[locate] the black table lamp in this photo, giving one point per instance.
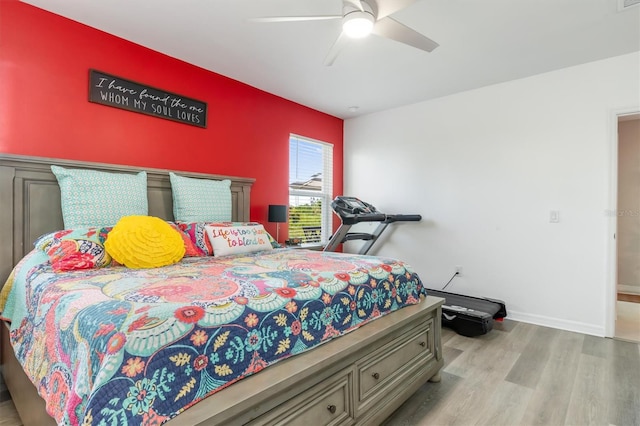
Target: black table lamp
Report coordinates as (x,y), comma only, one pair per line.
(278,214)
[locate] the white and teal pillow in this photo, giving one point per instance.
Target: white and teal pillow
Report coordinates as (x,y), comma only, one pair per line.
(94,198)
(200,200)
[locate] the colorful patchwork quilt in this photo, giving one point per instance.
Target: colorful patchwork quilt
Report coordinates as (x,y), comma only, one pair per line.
(123,346)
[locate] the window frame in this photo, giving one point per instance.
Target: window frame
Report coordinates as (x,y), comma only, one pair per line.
(326,192)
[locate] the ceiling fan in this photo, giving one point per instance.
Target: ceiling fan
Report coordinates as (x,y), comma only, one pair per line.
(363,17)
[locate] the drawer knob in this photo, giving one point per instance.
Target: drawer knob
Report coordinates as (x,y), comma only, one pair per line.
(423,344)
(375,376)
(331,408)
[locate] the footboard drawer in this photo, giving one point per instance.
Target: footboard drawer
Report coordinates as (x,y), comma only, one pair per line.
(394,365)
(327,403)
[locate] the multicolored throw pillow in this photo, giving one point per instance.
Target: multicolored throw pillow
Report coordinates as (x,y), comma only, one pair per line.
(190,248)
(72,249)
(197,235)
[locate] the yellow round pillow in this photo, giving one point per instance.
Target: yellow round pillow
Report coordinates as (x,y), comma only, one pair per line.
(144,242)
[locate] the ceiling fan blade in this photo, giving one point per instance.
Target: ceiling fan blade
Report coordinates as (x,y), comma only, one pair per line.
(355,4)
(394,30)
(384,8)
(295,18)
(338,45)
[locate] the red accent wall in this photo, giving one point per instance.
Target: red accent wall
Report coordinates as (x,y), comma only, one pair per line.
(44,109)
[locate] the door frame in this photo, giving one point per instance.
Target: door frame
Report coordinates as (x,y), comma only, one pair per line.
(611,285)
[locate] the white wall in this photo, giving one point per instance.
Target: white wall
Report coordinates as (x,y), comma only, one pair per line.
(484,168)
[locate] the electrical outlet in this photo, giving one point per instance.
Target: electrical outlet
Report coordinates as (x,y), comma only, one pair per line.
(458,269)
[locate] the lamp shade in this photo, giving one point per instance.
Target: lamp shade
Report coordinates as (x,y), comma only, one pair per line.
(277,213)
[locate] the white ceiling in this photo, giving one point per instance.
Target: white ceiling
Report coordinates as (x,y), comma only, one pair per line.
(482,42)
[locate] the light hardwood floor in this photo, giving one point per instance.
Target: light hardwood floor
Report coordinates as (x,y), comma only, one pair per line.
(628,321)
(522,374)
(519,374)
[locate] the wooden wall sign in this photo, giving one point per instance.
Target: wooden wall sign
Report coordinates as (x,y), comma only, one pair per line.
(117,92)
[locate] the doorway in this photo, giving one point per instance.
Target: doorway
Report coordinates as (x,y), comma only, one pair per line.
(627,300)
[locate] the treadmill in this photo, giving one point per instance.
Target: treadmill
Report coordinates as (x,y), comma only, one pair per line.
(466,315)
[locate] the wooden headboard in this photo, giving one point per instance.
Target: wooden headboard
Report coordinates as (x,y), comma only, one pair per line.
(30,200)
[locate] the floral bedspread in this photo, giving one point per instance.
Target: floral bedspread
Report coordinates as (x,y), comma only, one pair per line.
(122,346)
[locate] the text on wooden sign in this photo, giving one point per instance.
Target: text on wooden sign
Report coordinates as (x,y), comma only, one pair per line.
(118,92)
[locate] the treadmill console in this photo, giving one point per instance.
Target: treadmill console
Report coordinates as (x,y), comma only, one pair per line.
(353,210)
(351,205)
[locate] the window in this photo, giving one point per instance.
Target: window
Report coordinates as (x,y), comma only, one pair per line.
(310,189)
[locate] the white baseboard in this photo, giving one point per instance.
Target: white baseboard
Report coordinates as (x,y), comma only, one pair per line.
(562,324)
(629,289)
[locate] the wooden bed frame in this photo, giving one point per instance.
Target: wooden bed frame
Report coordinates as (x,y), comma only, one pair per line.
(359,378)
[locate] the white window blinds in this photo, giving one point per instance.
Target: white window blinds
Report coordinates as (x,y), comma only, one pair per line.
(310,189)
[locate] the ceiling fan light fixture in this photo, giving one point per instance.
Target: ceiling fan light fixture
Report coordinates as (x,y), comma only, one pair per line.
(358,24)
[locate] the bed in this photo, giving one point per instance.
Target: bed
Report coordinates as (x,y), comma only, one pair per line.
(357,375)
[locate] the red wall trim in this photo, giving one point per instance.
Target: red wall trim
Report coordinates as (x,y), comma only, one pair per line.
(44,109)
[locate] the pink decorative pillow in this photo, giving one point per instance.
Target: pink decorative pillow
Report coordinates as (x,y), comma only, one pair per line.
(190,248)
(197,235)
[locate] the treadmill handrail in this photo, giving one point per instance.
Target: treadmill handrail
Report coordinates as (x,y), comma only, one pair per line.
(403,218)
(364,217)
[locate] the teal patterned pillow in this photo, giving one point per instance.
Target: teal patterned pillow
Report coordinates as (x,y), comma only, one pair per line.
(200,200)
(94,198)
